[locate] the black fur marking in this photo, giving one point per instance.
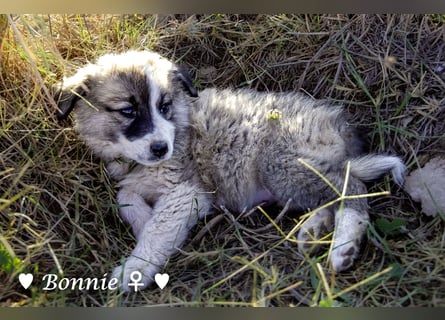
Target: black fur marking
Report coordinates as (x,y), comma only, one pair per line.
(142,122)
(140,126)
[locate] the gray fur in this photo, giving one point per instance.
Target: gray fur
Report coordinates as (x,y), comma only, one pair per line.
(225,148)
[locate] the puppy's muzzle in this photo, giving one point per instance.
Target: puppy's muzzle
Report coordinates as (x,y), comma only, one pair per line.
(159,149)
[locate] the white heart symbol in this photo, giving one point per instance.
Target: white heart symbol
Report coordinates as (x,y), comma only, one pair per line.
(161,280)
(25,279)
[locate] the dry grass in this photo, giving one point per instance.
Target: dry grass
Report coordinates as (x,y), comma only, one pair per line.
(58,212)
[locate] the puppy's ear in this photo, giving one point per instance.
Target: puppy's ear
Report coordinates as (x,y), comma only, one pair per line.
(66,97)
(185,79)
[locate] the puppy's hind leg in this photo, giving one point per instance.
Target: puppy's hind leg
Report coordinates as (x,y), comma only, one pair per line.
(350,227)
(318,225)
(287,178)
(351,219)
(351,223)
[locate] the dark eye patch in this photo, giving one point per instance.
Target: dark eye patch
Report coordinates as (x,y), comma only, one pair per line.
(141,120)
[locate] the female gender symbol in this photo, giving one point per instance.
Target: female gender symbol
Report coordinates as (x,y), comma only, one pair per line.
(135,277)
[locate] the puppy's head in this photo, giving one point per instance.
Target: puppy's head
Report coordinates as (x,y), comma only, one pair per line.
(128,105)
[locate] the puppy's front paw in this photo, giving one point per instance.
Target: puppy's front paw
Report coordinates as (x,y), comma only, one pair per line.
(135,274)
(343,256)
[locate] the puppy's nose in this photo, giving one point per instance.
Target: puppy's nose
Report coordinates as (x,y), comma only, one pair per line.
(159,148)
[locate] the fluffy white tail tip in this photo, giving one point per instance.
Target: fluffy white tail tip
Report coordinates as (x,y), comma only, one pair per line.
(371,167)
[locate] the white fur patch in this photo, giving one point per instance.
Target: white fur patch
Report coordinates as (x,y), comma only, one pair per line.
(350,225)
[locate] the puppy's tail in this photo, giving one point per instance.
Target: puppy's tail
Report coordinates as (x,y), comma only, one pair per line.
(373,166)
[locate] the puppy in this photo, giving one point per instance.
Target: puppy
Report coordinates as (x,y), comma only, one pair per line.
(175,154)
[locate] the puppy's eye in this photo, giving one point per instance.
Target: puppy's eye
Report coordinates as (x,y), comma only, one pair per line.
(128,112)
(128,107)
(165,107)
